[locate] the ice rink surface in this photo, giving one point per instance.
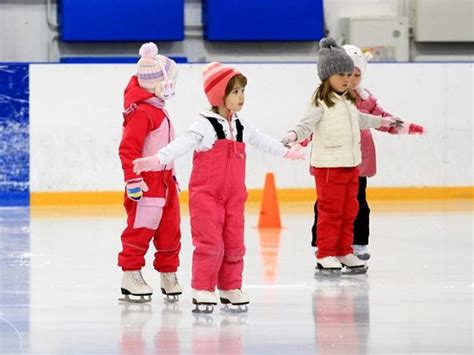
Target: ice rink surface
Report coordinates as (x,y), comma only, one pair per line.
(59,286)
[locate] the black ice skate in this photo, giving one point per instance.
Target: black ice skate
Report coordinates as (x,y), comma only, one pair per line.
(170,286)
(204,301)
(234,301)
(328,266)
(134,285)
(352,265)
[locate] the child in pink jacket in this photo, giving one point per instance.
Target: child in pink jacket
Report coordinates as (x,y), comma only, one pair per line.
(366,103)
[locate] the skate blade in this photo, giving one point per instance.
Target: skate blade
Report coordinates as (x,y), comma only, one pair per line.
(171,299)
(360,270)
(326,273)
(203,308)
(142,299)
(235,308)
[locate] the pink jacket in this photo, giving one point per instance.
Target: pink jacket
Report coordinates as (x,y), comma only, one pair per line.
(368,167)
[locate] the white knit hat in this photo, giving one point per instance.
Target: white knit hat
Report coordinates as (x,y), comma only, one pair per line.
(360,60)
(358,57)
(151,66)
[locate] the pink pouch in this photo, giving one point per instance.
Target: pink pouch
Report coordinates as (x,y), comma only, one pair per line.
(149,212)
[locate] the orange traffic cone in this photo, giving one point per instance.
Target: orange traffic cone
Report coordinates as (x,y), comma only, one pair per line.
(269,211)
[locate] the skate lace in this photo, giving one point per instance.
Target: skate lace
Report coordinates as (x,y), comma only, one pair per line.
(171,277)
(138,279)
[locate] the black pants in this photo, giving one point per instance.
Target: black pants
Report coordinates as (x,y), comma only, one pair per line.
(361,223)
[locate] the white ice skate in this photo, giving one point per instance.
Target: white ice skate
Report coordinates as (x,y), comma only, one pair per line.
(133,284)
(328,266)
(204,301)
(170,286)
(234,301)
(361,251)
(352,265)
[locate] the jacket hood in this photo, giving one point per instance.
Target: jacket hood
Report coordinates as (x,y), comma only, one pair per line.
(134,94)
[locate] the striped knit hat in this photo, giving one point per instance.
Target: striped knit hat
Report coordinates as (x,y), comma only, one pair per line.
(216,77)
(151,66)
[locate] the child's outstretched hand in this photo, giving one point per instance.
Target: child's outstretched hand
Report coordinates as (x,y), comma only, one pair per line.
(295,153)
(411,128)
(136,188)
(146,164)
(391,122)
(289,138)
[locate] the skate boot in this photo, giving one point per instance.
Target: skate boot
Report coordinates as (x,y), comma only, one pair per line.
(133,284)
(352,265)
(236,298)
(204,301)
(361,251)
(170,286)
(328,266)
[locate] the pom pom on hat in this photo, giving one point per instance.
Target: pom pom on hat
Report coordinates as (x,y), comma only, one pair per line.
(151,65)
(216,76)
(332,59)
(149,50)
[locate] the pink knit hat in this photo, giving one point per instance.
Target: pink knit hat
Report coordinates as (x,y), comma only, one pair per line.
(151,66)
(216,77)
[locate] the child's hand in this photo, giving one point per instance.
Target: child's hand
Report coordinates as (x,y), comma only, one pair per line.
(289,138)
(135,189)
(146,164)
(391,122)
(294,153)
(411,128)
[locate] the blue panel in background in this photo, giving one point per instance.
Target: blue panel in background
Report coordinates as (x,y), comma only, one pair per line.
(14,135)
(263,20)
(121,20)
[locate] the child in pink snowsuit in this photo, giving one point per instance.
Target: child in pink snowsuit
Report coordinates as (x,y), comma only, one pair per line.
(217,191)
(151,198)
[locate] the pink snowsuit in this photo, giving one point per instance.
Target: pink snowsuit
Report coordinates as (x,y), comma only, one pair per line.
(368,166)
(217,195)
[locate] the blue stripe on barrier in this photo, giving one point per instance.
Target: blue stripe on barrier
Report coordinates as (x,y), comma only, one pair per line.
(14,135)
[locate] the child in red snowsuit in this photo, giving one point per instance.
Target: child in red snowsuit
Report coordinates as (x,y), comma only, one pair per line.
(217,191)
(151,198)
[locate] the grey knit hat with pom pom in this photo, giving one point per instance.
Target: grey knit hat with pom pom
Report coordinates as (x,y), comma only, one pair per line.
(333,59)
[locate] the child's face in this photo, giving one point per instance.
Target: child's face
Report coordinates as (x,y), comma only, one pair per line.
(236,99)
(355,79)
(340,82)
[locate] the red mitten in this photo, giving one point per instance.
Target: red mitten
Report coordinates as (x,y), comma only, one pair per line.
(411,128)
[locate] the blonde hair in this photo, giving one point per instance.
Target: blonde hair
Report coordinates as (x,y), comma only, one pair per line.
(326,93)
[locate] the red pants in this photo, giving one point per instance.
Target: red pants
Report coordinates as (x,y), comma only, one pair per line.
(337,209)
(217,196)
(156,216)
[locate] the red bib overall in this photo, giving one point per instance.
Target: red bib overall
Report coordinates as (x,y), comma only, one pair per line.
(217,196)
